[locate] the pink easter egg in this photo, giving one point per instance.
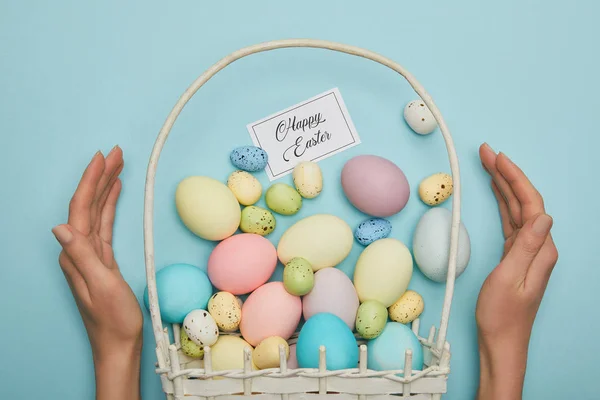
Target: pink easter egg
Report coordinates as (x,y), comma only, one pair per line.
(241,263)
(270,311)
(333,293)
(375,185)
(292,361)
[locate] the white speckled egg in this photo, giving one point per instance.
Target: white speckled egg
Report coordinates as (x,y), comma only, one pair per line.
(266,354)
(419,117)
(246,188)
(431,245)
(407,308)
(436,188)
(308,179)
(201,328)
(226,310)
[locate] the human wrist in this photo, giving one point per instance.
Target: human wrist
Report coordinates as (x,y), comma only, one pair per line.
(117,371)
(502,370)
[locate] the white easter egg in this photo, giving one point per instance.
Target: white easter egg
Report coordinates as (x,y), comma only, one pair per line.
(431,245)
(419,117)
(201,328)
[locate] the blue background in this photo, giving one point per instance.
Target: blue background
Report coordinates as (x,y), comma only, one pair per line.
(78,76)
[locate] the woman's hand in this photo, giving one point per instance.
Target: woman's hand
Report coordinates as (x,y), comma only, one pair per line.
(109,309)
(512,293)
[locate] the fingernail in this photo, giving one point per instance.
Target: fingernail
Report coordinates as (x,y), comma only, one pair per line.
(114,148)
(487,146)
(62,234)
(507,157)
(542,225)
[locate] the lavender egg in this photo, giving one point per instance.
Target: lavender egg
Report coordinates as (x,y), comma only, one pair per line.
(371,230)
(249,158)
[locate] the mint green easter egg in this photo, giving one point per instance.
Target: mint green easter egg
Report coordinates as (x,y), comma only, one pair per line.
(298,277)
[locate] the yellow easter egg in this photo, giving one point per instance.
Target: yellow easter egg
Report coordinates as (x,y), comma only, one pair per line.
(407,308)
(228,353)
(246,188)
(436,189)
(266,354)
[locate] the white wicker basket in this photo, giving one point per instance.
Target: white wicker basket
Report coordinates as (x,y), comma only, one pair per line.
(186,378)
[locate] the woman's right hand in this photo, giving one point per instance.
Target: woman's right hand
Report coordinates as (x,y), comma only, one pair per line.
(512,293)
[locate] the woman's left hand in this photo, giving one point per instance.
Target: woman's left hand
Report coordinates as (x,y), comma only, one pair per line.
(108,307)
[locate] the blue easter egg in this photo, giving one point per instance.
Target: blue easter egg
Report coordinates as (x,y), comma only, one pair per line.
(372,229)
(387,351)
(181,289)
(325,329)
(249,158)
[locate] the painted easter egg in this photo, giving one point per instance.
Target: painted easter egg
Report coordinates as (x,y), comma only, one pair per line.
(375,185)
(407,308)
(188,347)
(308,179)
(249,158)
(207,207)
(383,271)
(257,220)
(418,116)
(242,263)
(387,351)
(245,187)
(327,330)
(270,311)
(431,245)
(266,354)
(436,189)
(323,240)
(226,311)
(371,230)
(181,289)
(332,293)
(298,277)
(201,328)
(283,199)
(228,353)
(371,318)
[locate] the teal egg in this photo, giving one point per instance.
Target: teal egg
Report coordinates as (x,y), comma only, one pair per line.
(181,289)
(325,329)
(387,351)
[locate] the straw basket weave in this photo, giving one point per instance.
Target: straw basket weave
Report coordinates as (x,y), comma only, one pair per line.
(186,378)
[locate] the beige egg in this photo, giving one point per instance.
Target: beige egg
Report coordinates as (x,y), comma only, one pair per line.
(246,188)
(266,354)
(436,189)
(407,308)
(228,353)
(226,310)
(308,179)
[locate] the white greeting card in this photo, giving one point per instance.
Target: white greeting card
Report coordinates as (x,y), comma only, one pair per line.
(309,131)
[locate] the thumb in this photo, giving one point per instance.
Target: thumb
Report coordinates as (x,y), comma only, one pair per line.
(79,249)
(528,242)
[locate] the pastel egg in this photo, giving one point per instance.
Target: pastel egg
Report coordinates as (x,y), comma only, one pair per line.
(308,179)
(181,288)
(387,351)
(383,271)
(201,328)
(266,354)
(207,207)
(407,308)
(418,116)
(245,187)
(257,220)
(292,362)
(327,330)
(375,185)
(371,230)
(228,353)
(283,199)
(332,293)
(270,311)
(323,240)
(371,319)
(436,189)
(226,310)
(431,245)
(188,347)
(249,158)
(298,277)
(242,263)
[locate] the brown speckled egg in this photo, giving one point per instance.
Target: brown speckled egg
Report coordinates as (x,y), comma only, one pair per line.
(407,308)
(436,189)
(225,310)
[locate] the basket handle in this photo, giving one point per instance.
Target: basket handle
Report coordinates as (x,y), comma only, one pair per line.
(279,44)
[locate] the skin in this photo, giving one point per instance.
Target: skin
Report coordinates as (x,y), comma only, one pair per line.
(506,307)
